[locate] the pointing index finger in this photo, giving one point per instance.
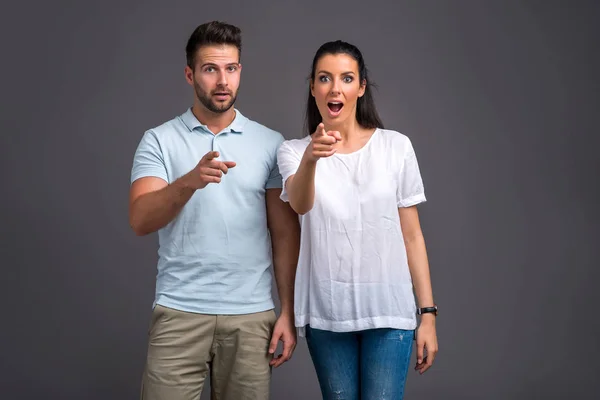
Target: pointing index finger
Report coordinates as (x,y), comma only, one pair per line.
(321,129)
(211,155)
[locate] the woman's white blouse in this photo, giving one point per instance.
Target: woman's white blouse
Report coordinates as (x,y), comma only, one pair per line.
(352,271)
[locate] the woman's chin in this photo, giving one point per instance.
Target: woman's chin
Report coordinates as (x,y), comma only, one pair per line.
(333,120)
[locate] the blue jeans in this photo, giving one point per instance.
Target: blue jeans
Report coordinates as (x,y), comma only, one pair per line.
(370,364)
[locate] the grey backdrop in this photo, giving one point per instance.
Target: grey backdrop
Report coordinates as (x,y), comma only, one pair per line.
(500,98)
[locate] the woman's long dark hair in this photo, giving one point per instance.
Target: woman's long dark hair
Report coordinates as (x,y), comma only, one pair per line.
(366,112)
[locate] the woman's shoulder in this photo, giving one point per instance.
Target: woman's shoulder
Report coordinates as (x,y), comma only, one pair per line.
(393,139)
(296,144)
(292,148)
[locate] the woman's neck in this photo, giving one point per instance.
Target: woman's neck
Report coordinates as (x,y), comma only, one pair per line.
(349,129)
(354,136)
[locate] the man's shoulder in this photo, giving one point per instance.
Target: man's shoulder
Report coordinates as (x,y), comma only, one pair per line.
(168,127)
(266,133)
(165,135)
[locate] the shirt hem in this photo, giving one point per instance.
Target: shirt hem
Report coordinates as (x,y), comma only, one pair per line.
(353,325)
(411,201)
(239,310)
(147,174)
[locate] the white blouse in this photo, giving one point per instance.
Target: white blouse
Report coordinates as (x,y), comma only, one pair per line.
(352,271)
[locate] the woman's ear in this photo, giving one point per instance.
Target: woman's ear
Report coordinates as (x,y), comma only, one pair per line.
(363,88)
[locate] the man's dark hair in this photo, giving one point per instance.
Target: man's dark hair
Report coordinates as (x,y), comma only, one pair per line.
(210,33)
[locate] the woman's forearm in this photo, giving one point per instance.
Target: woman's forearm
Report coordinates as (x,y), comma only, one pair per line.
(301,186)
(419,269)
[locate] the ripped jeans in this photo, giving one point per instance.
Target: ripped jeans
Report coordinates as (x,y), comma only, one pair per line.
(371,364)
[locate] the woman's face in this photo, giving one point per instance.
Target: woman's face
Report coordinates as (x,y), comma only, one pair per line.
(336,88)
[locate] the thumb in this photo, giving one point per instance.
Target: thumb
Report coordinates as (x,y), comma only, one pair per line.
(210,155)
(335,134)
(273,344)
(420,346)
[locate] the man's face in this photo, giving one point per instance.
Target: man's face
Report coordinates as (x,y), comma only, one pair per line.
(216,76)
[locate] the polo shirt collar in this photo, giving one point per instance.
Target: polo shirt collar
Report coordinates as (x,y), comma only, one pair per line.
(236,126)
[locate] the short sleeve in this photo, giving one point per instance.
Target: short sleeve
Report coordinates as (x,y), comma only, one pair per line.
(274,181)
(148,159)
(288,161)
(410,183)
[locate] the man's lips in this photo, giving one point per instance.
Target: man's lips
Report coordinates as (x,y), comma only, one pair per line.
(222,95)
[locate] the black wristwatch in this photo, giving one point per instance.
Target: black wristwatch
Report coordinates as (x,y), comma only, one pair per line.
(425,310)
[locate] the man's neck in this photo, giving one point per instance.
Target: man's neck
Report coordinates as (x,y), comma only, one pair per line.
(215,122)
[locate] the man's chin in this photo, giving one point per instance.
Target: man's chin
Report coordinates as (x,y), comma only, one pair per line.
(220,108)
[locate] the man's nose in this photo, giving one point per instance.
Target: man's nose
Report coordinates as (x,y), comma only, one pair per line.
(222,81)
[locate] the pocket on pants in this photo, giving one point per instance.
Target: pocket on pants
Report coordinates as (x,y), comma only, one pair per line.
(155,318)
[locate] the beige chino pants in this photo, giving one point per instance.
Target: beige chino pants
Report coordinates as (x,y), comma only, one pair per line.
(186,348)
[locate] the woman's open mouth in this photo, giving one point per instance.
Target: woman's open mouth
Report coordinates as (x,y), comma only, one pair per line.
(335,108)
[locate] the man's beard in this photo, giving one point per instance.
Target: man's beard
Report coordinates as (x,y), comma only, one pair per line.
(216,107)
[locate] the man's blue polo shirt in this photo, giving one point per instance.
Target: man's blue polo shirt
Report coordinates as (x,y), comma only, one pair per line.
(215,256)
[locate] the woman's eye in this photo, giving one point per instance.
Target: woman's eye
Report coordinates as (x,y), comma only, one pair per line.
(347,79)
(323,78)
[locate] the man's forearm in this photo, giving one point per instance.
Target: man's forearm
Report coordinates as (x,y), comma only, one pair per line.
(301,190)
(154,210)
(285,258)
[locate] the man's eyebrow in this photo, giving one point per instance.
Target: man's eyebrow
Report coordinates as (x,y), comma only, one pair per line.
(211,64)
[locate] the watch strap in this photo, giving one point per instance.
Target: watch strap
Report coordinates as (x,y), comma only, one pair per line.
(425,310)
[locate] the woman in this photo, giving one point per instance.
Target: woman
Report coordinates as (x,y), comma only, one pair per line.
(355,186)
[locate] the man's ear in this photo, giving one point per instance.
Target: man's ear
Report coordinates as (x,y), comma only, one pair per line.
(189,75)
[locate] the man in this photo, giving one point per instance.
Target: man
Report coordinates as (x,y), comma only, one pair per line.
(207,181)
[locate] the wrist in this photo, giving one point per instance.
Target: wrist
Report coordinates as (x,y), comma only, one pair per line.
(428,319)
(286,311)
(307,157)
(183,183)
(429,311)
(427,308)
